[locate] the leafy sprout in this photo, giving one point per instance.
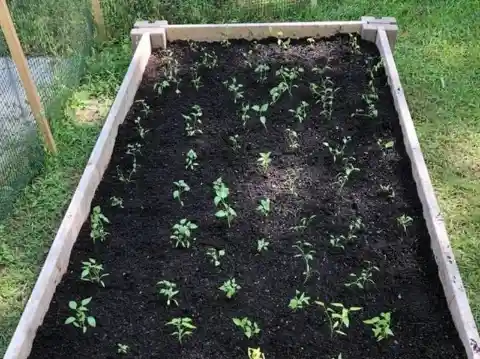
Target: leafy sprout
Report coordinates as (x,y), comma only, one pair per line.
(260,110)
(338,151)
(235,88)
(338,316)
(262,245)
(264,207)
(262,70)
(249,328)
(299,301)
(193,121)
(168,290)
(388,190)
(300,113)
(183,327)
(364,277)
(116,202)
(277,91)
(348,170)
(255,353)
(190,160)
(180,188)
(93,272)
(234,142)
(122,348)
(292,139)
(381,326)
(196,78)
(245,116)
(97,220)
(304,223)
(80,318)
(222,192)
(404,221)
(306,253)
(230,287)
(325,94)
(288,76)
(264,161)
(182,233)
(215,255)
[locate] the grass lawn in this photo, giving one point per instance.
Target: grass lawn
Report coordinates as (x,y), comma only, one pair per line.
(438,58)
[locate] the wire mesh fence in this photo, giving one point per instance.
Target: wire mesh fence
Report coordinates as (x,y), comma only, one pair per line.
(55,36)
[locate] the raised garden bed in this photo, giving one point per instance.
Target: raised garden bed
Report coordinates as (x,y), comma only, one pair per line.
(321,200)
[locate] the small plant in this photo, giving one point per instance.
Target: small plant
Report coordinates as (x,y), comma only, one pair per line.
(192,121)
(264,161)
(97,220)
(168,290)
(304,223)
(161,86)
(215,255)
(80,318)
(93,272)
(235,88)
(338,241)
(284,44)
(255,353)
(405,221)
(277,91)
(264,207)
(196,78)
(132,150)
(145,107)
(260,110)
(182,233)
(388,190)
(209,60)
(183,327)
(361,280)
(292,139)
(245,116)
(337,151)
(299,301)
(234,142)
(385,145)
(122,348)
(116,202)
(325,93)
(141,131)
(262,71)
(180,188)
(371,111)
(348,169)
(311,42)
(190,160)
(230,287)
(353,44)
(381,326)
(289,75)
(354,227)
(171,71)
(306,253)
(249,328)
(262,245)
(300,113)
(337,316)
(220,200)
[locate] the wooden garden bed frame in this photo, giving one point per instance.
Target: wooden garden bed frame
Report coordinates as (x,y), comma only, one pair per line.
(149,36)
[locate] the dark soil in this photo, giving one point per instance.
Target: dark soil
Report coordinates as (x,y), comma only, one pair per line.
(138,252)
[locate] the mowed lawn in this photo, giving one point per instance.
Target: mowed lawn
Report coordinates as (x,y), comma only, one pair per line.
(438,55)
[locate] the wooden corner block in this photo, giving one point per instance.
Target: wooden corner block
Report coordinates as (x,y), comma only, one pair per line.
(158,36)
(371,25)
(147,24)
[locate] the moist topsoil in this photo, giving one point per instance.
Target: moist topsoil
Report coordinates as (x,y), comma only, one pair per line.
(138,252)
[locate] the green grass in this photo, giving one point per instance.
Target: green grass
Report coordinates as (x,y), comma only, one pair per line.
(437,55)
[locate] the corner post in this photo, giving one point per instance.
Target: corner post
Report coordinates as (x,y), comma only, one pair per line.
(371,25)
(157,31)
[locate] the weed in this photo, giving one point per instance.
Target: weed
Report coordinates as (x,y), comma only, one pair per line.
(190,160)
(264,161)
(262,71)
(97,220)
(235,88)
(249,328)
(405,221)
(338,151)
(262,245)
(92,272)
(289,75)
(215,255)
(230,287)
(260,110)
(182,233)
(264,207)
(381,326)
(183,327)
(365,276)
(300,113)
(122,348)
(337,316)
(306,253)
(80,318)
(221,192)
(168,290)
(292,139)
(116,202)
(299,301)
(180,188)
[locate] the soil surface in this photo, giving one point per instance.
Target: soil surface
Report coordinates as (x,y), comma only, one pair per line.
(303,182)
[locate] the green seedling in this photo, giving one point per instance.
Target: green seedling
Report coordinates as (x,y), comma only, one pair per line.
(182,233)
(311,42)
(381,326)
(348,170)
(196,78)
(215,256)
(168,290)
(362,279)
(255,353)
(264,161)
(209,60)
(277,91)
(325,94)
(284,44)
(338,241)
(299,301)
(262,72)
(245,116)
(385,145)
(262,245)
(183,327)
(145,107)
(230,287)
(171,71)
(304,223)
(80,318)
(353,44)
(338,151)
(337,316)
(234,142)
(264,207)
(260,110)
(300,113)
(97,220)
(93,272)
(371,111)
(220,198)
(354,227)
(306,253)
(288,76)
(249,328)
(122,348)
(292,139)
(180,188)
(161,86)
(193,121)
(190,160)
(388,190)
(235,88)
(116,202)
(141,131)
(404,221)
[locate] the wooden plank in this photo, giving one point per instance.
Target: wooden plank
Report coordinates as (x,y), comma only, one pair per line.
(214,32)
(442,250)
(58,257)
(18,57)
(98,19)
